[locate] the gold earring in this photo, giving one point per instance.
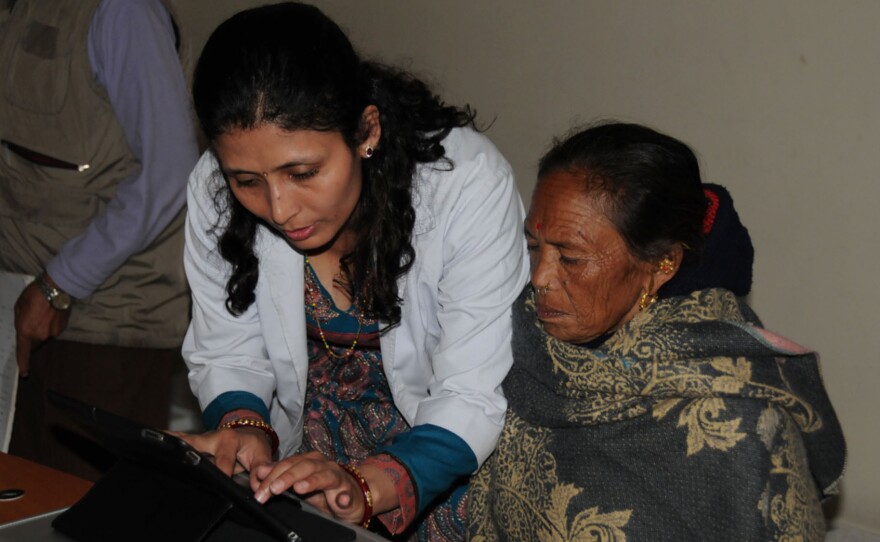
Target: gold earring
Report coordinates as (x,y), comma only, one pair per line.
(667,266)
(647,300)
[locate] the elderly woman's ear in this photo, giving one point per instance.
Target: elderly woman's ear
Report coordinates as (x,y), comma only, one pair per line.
(663,270)
(667,266)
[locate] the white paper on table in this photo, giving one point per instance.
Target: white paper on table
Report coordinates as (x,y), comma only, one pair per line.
(11,285)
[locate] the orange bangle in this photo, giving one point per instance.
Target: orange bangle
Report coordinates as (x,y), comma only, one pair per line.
(256,423)
(365,489)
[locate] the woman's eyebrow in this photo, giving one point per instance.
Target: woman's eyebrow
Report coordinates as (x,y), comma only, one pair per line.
(292,163)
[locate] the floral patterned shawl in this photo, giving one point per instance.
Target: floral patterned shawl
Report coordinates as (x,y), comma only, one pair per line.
(689,423)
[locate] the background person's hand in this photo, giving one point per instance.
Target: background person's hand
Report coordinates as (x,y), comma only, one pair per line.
(35,322)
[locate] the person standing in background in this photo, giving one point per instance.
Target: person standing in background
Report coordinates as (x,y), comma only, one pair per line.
(97,144)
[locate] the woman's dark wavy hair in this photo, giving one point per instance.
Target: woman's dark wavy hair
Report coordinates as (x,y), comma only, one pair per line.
(290,65)
(651,183)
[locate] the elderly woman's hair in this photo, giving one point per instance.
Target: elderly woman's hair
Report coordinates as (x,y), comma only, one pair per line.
(648,183)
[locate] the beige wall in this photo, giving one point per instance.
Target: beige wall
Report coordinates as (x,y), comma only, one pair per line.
(781,101)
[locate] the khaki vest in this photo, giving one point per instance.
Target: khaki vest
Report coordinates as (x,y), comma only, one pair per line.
(51,104)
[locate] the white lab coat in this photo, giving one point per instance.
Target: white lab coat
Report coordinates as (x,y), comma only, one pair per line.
(446,359)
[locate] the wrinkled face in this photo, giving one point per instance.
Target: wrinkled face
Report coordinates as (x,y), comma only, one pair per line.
(587,280)
(304,183)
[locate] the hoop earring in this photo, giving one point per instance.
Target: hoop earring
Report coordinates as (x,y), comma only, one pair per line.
(647,300)
(368,151)
(667,266)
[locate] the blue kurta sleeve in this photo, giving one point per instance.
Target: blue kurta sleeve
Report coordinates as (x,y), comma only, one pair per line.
(229,401)
(435,458)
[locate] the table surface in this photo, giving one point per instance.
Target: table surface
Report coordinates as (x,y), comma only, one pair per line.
(45,489)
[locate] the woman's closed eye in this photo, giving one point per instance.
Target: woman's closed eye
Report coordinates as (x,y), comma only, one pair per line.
(245,182)
(302,175)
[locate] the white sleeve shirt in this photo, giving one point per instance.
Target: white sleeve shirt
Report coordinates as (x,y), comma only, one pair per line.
(446,359)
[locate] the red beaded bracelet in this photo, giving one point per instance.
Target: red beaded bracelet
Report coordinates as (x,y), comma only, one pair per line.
(365,489)
(256,423)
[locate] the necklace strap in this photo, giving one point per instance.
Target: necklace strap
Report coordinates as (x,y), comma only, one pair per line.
(358,315)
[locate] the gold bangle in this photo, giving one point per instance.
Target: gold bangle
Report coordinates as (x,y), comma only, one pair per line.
(255,423)
(365,489)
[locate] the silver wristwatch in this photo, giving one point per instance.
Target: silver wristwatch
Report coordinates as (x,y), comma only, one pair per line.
(59,299)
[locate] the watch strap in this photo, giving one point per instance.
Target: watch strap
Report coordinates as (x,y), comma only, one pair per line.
(52,293)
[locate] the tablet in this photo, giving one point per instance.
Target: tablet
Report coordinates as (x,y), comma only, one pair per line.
(163,485)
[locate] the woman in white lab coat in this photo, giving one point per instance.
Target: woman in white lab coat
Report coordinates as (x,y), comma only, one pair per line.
(353,248)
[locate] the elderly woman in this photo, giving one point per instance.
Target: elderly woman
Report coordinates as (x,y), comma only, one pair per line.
(645,401)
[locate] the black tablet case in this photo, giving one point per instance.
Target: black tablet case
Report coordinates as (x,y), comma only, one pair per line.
(163,489)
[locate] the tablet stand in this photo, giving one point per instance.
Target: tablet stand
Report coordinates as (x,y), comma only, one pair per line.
(162,489)
(138,503)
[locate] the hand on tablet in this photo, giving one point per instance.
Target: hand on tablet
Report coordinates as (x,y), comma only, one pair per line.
(320,481)
(234,450)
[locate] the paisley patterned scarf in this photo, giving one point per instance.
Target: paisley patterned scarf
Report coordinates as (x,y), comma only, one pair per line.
(688,423)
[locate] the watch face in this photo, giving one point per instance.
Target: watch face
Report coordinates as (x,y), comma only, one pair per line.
(61,301)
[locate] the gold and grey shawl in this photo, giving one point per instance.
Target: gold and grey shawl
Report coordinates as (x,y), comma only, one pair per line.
(689,423)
